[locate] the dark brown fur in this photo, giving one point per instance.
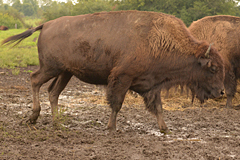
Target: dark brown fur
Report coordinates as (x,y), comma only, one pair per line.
(141,51)
(4,28)
(224,32)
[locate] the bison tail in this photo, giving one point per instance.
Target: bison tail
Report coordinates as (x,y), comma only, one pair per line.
(19,37)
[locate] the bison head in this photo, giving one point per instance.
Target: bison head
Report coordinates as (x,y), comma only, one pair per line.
(208,73)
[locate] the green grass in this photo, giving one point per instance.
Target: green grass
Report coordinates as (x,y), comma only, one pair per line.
(23,54)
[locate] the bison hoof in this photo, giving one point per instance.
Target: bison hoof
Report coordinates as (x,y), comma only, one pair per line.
(111,128)
(228,106)
(165,131)
(33,118)
(32,121)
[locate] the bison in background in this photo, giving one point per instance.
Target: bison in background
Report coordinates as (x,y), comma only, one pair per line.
(140,51)
(224,32)
(3,28)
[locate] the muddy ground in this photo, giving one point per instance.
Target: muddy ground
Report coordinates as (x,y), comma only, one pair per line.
(207,131)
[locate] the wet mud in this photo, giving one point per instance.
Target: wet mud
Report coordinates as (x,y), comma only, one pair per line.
(209,131)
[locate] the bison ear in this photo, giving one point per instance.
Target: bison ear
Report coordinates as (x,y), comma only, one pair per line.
(203,62)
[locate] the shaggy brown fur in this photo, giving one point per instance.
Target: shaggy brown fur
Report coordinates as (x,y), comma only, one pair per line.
(141,51)
(4,28)
(223,31)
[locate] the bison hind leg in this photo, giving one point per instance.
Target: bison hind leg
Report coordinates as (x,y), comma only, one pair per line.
(54,90)
(38,78)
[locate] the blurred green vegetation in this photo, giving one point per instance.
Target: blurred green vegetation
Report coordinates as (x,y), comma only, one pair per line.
(187,10)
(21,55)
(9,21)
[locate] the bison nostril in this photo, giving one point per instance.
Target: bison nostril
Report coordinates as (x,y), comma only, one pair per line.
(222,92)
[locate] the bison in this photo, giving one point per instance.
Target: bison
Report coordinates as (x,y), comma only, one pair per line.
(137,50)
(3,28)
(223,32)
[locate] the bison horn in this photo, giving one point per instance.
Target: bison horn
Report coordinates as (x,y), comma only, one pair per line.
(208,50)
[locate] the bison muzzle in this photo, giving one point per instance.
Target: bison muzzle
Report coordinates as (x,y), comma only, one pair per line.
(141,51)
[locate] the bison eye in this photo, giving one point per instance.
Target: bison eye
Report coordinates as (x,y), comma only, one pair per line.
(213,69)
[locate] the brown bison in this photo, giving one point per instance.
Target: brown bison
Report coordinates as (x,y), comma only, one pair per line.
(3,28)
(223,32)
(140,51)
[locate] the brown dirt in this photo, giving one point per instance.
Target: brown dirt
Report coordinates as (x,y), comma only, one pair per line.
(207,131)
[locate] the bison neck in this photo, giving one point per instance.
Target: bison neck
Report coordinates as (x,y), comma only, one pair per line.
(165,73)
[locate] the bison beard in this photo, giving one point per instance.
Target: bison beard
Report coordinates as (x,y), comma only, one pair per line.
(141,51)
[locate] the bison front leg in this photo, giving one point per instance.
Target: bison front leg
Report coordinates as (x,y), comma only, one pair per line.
(113,118)
(162,126)
(230,85)
(153,103)
(116,91)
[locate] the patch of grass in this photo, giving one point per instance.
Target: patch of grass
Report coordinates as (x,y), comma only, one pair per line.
(2,128)
(15,71)
(21,55)
(61,119)
(28,71)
